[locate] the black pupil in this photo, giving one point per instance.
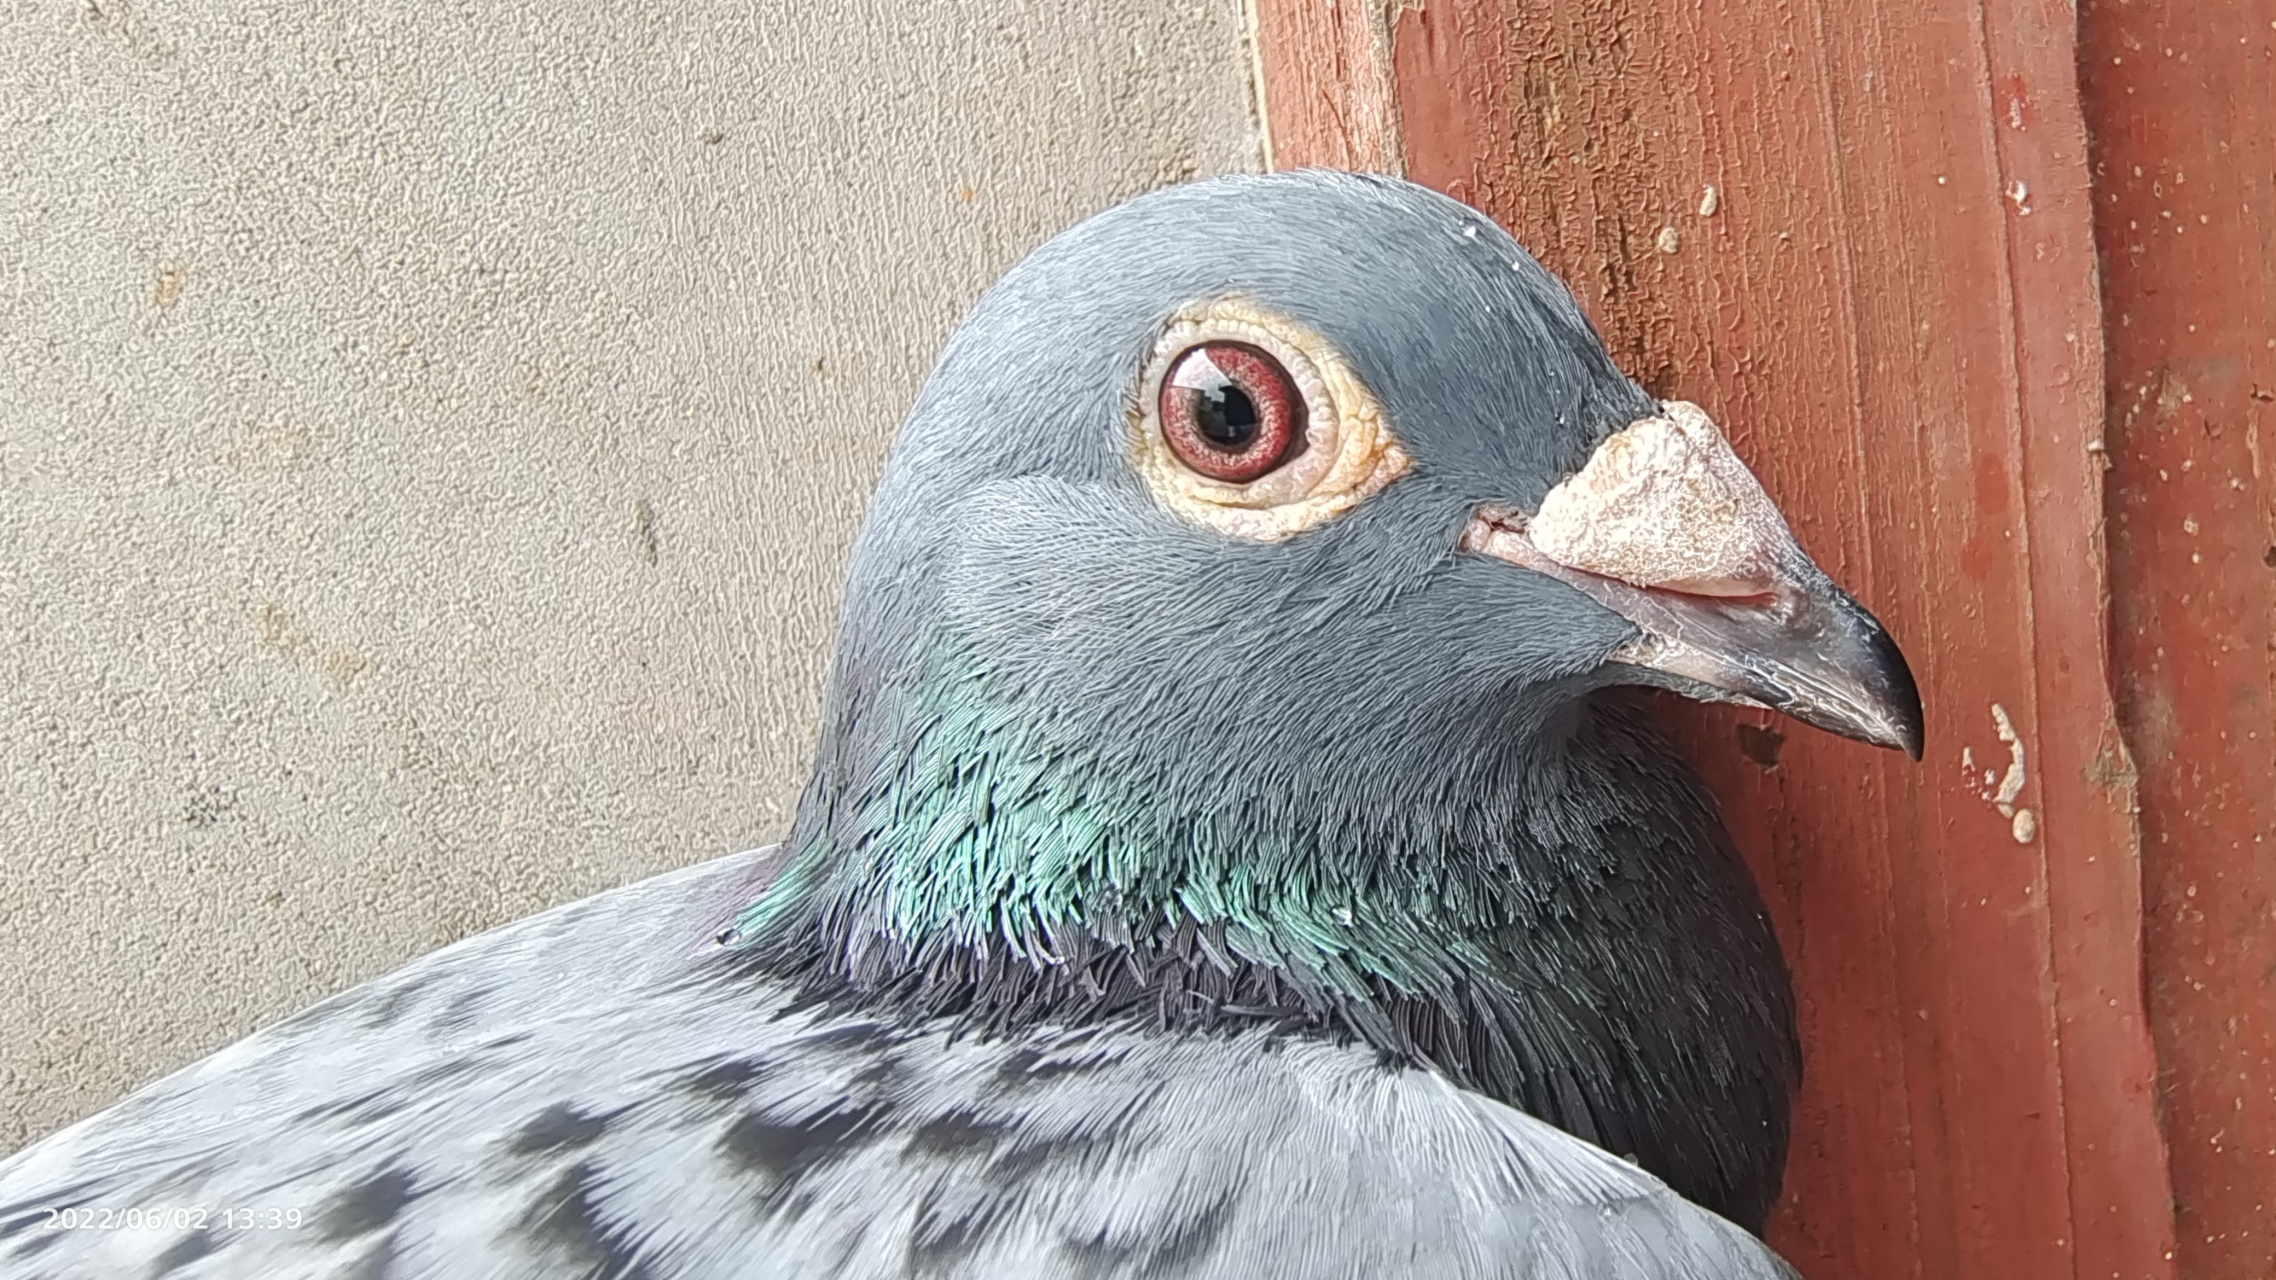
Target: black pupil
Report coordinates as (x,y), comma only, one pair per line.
(1225,416)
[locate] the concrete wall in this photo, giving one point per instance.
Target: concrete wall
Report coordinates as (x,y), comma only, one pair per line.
(430,434)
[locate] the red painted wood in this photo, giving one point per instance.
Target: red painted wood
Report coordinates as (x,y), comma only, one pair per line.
(1325,83)
(1892,308)
(2180,100)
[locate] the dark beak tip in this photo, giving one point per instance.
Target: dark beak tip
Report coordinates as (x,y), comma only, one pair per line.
(1901,694)
(1884,708)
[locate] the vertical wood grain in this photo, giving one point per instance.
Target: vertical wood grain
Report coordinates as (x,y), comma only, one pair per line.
(2180,100)
(1890,302)
(1326,84)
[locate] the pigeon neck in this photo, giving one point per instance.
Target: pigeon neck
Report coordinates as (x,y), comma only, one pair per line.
(946,833)
(1568,932)
(953,856)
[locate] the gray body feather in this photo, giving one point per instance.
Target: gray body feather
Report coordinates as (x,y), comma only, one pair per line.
(578,1094)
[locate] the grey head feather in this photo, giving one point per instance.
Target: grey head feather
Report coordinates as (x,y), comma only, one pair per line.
(1492,373)
(1011,524)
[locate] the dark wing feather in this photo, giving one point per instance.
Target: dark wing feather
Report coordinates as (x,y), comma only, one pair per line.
(587,1093)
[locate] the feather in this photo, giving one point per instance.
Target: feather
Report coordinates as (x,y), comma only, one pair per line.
(580,1093)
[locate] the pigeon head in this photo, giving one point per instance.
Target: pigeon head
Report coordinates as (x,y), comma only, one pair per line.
(1255,551)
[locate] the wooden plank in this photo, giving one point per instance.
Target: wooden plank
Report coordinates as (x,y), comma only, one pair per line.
(1324,82)
(1890,303)
(2179,99)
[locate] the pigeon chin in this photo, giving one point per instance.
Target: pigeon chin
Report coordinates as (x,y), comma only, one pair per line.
(1667,528)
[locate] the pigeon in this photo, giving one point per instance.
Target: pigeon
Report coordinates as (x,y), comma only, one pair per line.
(1237,844)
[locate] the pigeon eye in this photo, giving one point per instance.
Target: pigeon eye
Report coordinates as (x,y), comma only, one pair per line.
(1231,412)
(1251,423)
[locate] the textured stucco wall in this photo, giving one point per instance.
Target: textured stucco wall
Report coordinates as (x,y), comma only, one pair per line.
(430,434)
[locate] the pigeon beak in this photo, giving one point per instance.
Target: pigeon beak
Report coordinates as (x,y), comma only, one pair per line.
(1668,529)
(1805,648)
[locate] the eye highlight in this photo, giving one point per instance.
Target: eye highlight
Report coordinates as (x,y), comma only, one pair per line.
(1249,422)
(1230,411)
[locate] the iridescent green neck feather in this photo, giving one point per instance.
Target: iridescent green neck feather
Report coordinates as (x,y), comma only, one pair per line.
(971,830)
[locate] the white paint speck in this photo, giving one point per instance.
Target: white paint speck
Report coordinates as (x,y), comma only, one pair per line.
(1709,201)
(2010,783)
(2025,826)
